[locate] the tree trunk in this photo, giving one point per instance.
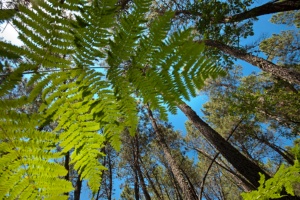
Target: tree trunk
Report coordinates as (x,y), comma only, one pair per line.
(244,166)
(110,176)
(287,75)
(136,186)
(159,196)
(268,8)
(286,155)
(188,192)
(77,188)
(248,186)
(138,168)
(67,167)
(275,6)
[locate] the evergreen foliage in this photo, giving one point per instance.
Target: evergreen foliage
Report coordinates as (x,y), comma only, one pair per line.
(62,40)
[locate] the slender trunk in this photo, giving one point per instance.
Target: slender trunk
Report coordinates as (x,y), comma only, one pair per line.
(286,155)
(175,184)
(136,186)
(110,176)
(214,159)
(245,183)
(268,8)
(78,188)
(159,196)
(138,168)
(158,184)
(244,166)
(103,171)
(188,192)
(287,75)
(67,167)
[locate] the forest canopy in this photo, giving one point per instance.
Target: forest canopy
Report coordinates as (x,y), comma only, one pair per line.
(85,99)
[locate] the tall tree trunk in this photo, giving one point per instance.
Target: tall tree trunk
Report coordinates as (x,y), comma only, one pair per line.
(268,8)
(78,188)
(136,186)
(275,6)
(110,175)
(67,167)
(188,192)
(287,75)
(244,166)
(138,168)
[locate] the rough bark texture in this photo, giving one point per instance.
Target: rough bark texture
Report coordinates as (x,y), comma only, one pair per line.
(188,192)
(290,76)
(244,166)
(268,8)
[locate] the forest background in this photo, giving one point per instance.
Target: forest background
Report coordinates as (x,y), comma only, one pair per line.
(255,117)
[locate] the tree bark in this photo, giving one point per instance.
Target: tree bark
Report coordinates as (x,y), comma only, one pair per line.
(243,165)
(77,188)
(188,192)
(287,75)
(268,8)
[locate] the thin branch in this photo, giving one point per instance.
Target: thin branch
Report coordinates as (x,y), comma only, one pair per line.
(214,158)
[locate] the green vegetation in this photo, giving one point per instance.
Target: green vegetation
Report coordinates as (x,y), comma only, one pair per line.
(85,100)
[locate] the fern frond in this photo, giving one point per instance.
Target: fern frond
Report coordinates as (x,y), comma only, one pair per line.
(82,104)
(27,167)
(93,30)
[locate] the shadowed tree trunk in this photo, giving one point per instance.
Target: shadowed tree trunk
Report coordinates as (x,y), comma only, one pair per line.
(67,167)
(137,167)
(267,8)
(243,165)
(136,186)
(110,176)
(187,191)
(77,189)
(286,155)
(285,74)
